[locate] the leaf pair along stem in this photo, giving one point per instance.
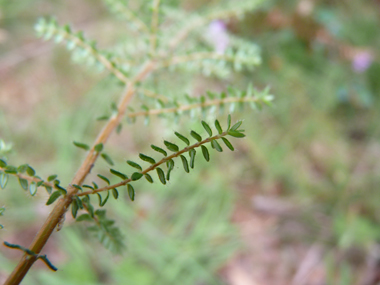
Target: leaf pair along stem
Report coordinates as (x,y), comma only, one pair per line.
(155,165)
(63,204)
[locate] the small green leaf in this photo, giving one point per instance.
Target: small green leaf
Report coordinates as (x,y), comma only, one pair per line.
(158,149)
(218,127)
(52,177)
(88,186)
(61,189)
(81,145)
(171,146)
(104,178)
(79,201)
(207,128)
(182,138)
(77,186)
(30,171)
(148,178)
(102,203)
(3,180)
(134,164)
(228,144)
(236,126)
(161,175)
(205,153)
(115,193)
(95,185)
(147,158)
(216,145)
(170,165)
(22,168)
(228,121)
(33,188)
(84,217)
(131,192)
(39,183)
(185,163)
(3,163)
(23,183)
(98,147)
(49,189)
(107,158)
(236,134)
(74,208)
(102,118)
(136,176)
(196,136)
(119,174)
(10,169)
(2,209)
(54,196)
(192,153)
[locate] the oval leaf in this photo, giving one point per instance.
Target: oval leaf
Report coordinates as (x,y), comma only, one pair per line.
(30,171)
(218,127)
(207,128)
(115,193)
(161,175)
(196,136)
(84,217)
(98,147)
(158,149)
(74,208)
(205,153)
(147,158)
(107,158)
(216,145)
(148,178)
(3,163)
(185,164)
(136,176)
(134,164)
(52,177)
(192,153)
(3,180)
(228,144)
(236,134)
(171,146)
(81,145)
(182,138)
(23,183)
(236,126)
(118,174)
(131,192)
(54,196)
(33,188)
(104,178)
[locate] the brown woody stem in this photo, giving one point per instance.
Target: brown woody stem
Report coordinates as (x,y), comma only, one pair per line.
(62,204)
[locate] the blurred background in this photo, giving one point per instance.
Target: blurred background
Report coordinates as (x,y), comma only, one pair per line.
(297,202)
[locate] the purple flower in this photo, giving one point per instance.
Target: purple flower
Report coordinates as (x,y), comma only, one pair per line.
(362,61)
(218,36)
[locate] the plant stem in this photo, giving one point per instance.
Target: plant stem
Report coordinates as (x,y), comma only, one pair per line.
(63,204)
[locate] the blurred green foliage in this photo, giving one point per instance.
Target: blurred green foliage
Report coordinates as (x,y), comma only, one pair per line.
(318,147)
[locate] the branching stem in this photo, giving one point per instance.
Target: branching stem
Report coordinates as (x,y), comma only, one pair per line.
(155,165)
(63,204)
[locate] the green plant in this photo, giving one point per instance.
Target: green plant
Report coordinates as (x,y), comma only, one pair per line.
(142,68)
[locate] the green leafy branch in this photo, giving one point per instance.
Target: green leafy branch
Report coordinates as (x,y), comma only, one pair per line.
(255,98)
(233,131)
(31,253)
(30,181)
(83,49)
(119,8)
